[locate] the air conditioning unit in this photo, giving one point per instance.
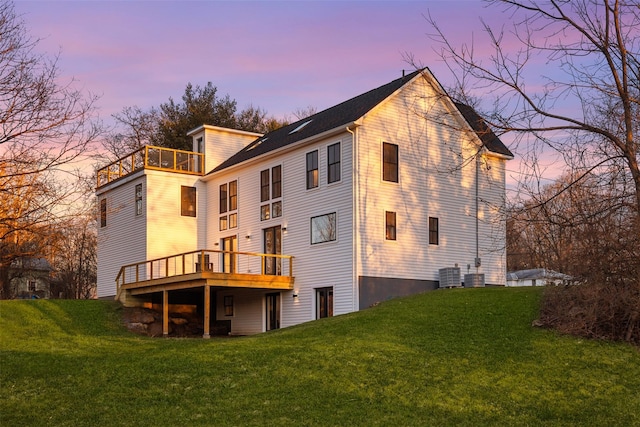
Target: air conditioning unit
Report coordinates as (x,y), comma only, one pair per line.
(450,277)
(474,280)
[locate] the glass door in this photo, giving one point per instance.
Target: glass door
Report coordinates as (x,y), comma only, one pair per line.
(273,311)
(273,245)
(229,260)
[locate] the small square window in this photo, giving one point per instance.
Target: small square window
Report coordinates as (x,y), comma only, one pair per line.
(264,213)
(276,209)
(233,220)
(390,222)
(223,223)
(323,228)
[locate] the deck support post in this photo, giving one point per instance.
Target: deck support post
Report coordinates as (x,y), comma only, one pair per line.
(207,310)
(165,314)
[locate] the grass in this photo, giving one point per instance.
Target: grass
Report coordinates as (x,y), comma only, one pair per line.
(458,357)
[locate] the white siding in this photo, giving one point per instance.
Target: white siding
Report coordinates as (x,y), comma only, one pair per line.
(248,311)
(434,181)
(169,232)
(123,240)
(315,266)
(221,143)
(161,230)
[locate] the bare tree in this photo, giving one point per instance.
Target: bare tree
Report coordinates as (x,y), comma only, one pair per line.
(582,227)
(45,127)
(588,107)
(75,259)
(134,129)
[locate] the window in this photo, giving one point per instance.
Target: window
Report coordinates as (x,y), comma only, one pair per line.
(264,185)
(324,302)
(271,189)
(323,228)
(433,230)
(139,199)
(228,305)
(32,285)
(223,198)
(264,213)
(390,225)
(276,182)
(312,169)
(188,197)
(103,213)
(333,163)
(233,195)
(389,162)
(276,209)
(229,203)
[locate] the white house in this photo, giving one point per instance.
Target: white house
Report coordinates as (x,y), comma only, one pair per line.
(356,204)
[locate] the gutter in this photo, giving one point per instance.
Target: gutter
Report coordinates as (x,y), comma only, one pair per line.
(293,146)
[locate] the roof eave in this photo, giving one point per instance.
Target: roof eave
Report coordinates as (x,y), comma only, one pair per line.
(290,147)
(223,129)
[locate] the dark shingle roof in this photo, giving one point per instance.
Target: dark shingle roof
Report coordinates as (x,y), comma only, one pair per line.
(344,114)
(339,115)
(484,132)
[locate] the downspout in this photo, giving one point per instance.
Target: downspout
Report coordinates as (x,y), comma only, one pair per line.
(355,234)
(477,261)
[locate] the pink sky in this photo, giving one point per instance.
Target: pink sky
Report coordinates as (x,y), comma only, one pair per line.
(278,55)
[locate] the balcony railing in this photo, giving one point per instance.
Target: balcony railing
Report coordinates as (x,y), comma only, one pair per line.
(205,261)
(152,157)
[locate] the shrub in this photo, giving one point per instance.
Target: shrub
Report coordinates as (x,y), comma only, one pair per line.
(608,311)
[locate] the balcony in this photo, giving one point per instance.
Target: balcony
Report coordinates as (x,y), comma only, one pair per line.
(207,268)
(155,158)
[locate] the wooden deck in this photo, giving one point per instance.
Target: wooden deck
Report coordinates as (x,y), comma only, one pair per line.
(155,158)
(204,269)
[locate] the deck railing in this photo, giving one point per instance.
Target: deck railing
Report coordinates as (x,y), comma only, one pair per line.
(152,157)
(201,261)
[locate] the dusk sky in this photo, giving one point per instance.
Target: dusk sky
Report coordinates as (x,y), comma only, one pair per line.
(277,55)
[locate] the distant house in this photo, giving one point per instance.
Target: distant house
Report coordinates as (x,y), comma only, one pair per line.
(356,204)
(30,277)
(537,277)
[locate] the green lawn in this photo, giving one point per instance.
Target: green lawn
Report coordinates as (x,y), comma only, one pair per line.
(455,357)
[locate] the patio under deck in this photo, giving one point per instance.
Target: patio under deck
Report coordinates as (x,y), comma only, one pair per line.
(204,269)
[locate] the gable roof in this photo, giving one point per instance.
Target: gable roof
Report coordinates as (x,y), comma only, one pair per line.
(344,114)
(484,132)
